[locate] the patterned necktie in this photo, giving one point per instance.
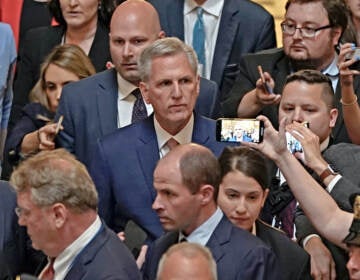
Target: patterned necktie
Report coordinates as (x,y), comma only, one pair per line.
(199,37)
(139,110)
(287,218)
(172,143)
(48,272)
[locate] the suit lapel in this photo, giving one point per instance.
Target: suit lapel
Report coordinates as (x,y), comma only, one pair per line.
(107,92)
(200,132)
(175,18)
(227,31)
(147,152)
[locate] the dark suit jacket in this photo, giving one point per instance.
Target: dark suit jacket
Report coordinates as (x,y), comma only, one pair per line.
(245,27)
(293,260)
(37,45)
(105,257)
(90,111)
(277,64)
(237,253)
(123,167)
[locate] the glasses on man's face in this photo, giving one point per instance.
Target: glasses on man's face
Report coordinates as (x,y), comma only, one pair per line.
(306,32)
(21,212)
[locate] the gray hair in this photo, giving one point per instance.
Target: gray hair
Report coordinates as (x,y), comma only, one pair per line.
(56,177)
(189,250)
(165,47)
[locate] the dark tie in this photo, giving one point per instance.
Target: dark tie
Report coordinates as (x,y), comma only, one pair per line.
(48,272)
(287,218)
(199,37)
(139,110)
(172,143)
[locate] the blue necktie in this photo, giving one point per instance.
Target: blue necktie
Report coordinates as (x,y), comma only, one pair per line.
(199,37)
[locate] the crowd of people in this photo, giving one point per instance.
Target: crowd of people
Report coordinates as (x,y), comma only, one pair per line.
(111,163)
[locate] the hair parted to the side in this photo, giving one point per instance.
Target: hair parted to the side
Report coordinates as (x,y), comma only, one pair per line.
(200,167)
(165,47)
(68,57)
(313,77)
(56,177)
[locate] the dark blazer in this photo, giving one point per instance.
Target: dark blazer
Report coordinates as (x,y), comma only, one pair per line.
(105,257)
(293,260)
(237,253)
(278,65)
(123,167)
(90,111)
(245,27)
(37,45)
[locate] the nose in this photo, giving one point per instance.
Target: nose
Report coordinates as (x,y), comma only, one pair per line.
(21,220)
(157,205)
(297,115)
(297,34)
(127,50)
(58,93)
(72,2)
(176,91)
(241,206)
(353,265)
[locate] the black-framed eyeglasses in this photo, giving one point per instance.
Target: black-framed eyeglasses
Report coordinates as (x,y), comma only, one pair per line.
(307,32)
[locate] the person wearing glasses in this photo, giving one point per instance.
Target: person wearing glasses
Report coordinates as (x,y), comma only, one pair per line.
(311,32)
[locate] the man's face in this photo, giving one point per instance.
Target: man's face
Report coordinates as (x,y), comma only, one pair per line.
(354,6)
(176,206)
(172,90)
(129,36)
(301,102)
(317,51)
(353,264)
(37,221)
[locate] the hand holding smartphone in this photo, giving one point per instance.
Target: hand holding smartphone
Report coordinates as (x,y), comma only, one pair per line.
(293,145)
(267,86)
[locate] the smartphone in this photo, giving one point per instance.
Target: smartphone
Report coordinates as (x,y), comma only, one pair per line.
(265,83)
(356,56)
(57,129)
(293,145)
(239,130)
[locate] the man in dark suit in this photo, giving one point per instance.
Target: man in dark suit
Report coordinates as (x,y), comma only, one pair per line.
(123,165)
(57,202)
(187,181)
(99,105)
(232,28)
(311,31)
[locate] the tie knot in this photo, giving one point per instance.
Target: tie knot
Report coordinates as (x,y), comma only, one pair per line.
(137,93)
(199,12)
(172,143)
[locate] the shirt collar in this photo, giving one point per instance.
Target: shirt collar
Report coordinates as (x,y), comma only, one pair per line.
(324,144)
(213,7)
(332,70)
(184,136)
(202,234)
(65,259)
(125,87)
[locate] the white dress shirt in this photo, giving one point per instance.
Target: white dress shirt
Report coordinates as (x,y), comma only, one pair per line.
(126,102)
(211,16)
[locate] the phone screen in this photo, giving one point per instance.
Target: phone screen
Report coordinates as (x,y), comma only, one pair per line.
(239,130)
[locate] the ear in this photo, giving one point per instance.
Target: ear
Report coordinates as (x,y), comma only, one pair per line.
(266,193)
(144,88)
(336,35)
(60,214)
(198,85)
(161,34)
(333,117)
(207,194)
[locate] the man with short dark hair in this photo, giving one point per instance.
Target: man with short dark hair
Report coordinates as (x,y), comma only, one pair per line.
(311,30)
(57,202)
(187,182)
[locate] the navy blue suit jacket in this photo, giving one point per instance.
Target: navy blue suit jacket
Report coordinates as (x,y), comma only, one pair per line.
(123,167)
(105,257)
(245,27)
(237,253)
(90,112)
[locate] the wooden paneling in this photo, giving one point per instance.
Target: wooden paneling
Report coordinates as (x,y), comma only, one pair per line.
(277,9)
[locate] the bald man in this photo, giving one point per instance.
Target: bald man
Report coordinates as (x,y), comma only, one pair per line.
(97,106)
(187,260)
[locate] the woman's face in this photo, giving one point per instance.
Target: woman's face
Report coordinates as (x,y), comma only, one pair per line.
(55,78)
(79,13)
(241,199)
